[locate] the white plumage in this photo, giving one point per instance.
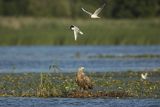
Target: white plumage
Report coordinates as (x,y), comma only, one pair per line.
(76,30)
(95,14)
(144,76)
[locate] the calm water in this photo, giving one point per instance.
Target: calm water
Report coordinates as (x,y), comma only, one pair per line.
(69,58)
(70,102)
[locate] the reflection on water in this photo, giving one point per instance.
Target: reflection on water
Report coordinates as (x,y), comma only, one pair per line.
(70,102)
(69,58)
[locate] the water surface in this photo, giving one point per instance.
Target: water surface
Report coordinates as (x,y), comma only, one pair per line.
(72,102)
(69,58)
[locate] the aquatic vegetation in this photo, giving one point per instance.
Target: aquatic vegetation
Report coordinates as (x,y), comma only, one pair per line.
(126,56)
(109,84)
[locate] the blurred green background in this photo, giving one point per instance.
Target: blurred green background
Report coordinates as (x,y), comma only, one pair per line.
(46,22)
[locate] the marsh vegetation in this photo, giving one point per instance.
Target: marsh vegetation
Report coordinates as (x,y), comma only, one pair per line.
(109,84)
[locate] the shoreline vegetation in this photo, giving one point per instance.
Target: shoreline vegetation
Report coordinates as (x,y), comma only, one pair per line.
(106,85)
(54,31)
(125,56)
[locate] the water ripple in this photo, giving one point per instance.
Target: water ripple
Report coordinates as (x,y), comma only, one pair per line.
(72,102)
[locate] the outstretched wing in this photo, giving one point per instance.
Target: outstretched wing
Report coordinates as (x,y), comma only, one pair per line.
(86,11)
(80,32)
(99,10)
(75,35)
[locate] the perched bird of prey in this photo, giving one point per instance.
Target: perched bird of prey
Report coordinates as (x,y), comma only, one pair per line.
(83,81)
(76,30)
(144,76)
(95,14)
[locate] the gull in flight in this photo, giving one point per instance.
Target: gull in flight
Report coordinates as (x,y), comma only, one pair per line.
(144,76)
(95,14)
(76,30)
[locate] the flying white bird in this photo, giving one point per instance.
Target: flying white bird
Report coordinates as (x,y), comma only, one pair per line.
(95,14)
(144,76)
(76,30)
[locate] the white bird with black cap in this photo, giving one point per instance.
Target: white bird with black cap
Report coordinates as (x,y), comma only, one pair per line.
(76,30)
